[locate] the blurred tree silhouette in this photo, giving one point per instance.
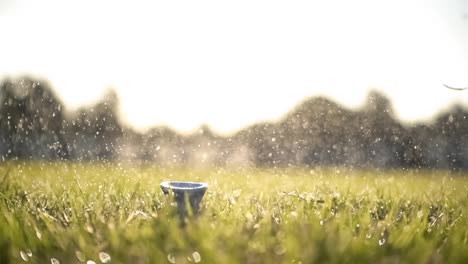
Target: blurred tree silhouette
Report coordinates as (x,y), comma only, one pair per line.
(31,121)
(34,125)
(94,131)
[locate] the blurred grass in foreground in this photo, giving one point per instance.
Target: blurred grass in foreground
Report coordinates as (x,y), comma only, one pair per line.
(111,213)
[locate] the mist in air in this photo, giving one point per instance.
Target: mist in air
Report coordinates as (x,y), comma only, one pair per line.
(232,65)
(250,84)
(35,125)
(233,132)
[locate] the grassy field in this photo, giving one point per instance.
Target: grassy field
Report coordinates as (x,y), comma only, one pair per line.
(110,213)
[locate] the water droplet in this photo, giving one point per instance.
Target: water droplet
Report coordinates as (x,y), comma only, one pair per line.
(368,236)
(171,258)
(196,257)
(382,241)
(104,257)
(39,235)
(450,119)
(90,262)
(24,256)
(29,252)
(420,214)
(80,256)
(54,261)
(322,222)
(273,139)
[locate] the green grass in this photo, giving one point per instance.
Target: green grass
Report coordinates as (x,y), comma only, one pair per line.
(73,213)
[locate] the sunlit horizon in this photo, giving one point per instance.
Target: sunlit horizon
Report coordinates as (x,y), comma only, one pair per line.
(229,65)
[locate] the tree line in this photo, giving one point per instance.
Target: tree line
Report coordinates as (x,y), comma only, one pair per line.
(34,124)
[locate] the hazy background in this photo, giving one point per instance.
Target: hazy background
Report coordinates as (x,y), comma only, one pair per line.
(249,83)
(230,64)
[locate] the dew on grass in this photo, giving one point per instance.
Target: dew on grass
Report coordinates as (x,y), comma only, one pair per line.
(382,241)
(54,261)
(196,256)
(368,236)
(357,229)
(104,257)
(39,235)
(29,253)
(420,214)
(80,256)
(322,222)
(89,228)
(90,262)
(171,258)
(24,256)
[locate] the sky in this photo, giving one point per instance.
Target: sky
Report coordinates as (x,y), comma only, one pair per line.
(229,64)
